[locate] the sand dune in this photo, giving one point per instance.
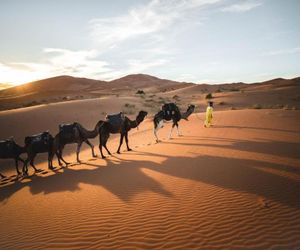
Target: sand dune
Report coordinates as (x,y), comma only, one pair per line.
(277,93)
(235,185)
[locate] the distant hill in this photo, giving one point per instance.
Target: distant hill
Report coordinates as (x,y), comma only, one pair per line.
(65,88)
(5,85)
(59,83)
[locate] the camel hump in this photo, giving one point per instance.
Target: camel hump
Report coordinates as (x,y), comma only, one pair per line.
(67,127)
(116,120)
(170,110)
(170,107)
(8,142)
(38,138)
(116,116)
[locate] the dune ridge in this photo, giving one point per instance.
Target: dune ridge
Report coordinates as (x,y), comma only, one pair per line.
(276,93)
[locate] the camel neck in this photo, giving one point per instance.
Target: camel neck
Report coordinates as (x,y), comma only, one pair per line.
(134,124)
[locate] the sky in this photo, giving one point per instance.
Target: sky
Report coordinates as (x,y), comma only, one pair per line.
(201,41)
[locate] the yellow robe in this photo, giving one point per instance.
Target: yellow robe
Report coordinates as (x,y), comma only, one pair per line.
(208,116)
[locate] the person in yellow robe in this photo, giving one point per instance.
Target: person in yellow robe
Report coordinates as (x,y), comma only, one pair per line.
(208,115)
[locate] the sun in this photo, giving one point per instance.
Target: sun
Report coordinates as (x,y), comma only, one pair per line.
(15,76)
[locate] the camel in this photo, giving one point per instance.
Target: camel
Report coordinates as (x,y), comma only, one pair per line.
(9,149)
(118,124)
(35,144)
(74,133)
(170,112)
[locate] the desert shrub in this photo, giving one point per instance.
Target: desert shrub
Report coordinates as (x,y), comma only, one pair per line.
(286,107)
(257,106)
(222,103)
(209,96)
(140,92)
(233,108)
(66,98)
(128,105)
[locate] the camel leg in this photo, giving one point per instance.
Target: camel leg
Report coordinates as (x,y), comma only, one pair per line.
(157,127)
(121,142)
(92,147)
(32,162)
(173,125)
(16,161)
(177,127)
(100,145)
(126,140)
(2,176)
(50,160)
(106,149)
(25,166)
(58,157)
(53,151)
(60,151)
(78,151)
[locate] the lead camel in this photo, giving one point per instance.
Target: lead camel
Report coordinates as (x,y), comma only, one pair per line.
(170,112)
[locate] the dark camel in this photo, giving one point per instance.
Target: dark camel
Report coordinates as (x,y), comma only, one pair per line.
(122,126)
(170,112)
(74,133)
(9,149)
(35,144)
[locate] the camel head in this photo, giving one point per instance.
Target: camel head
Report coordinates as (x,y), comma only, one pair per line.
(191,108)
(188,112)
(141,116)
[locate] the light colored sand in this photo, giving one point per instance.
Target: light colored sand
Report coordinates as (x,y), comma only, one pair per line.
(235,185)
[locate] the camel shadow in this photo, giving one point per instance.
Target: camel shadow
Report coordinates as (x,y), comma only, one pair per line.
(126,178)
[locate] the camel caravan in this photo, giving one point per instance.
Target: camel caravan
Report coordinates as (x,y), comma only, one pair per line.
(75,133)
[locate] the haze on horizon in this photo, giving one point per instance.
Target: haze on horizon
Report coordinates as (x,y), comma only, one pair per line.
(194,40)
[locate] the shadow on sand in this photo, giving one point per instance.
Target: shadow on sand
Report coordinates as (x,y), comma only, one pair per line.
(125,179)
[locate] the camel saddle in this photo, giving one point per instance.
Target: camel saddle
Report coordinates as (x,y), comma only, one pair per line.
(115,120)
(8,143)
(38,138)
(169,109)
(67,129)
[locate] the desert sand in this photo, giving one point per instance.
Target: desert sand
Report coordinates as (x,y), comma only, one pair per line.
(235,185)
